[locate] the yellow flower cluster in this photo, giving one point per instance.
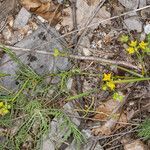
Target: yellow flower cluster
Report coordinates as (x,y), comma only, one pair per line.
(4,109)
(134,46)
(143,45)
(109,82)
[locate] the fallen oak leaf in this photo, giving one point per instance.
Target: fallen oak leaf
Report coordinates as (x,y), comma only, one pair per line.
(46,9)
(28,4)
(111,123)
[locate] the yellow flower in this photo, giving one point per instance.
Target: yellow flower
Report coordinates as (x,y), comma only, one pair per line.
(1,104)
(143,45)
(4,111)
(131,50)
(133,43)
(107,77)
(7,106)
(111,85)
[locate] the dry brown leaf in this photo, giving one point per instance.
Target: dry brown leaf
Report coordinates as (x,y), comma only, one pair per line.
(28,4)
(46,9)
(110,112)
(105,109)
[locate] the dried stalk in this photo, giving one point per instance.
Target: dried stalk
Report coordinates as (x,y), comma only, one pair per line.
(77,57)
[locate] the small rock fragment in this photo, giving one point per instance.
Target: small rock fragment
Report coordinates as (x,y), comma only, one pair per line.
(135,145)
(69,83)
(145,13)
(48,145)
(41,19)
(147,29)
(22,18)
(55,134)
(87,145)
(41,64)
(133,23)
(129,4)
(7,33)
(142,3)
(86,51)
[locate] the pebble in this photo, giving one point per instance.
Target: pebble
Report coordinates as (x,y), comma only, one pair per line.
(86,51)
(55,134)
(133,23)
(135,145)
(86,146)
(7,33)
(147,29)
(22,18)
(69,83)
(48,145)
(129,4)
(143,36)
(142,3)
(42,64)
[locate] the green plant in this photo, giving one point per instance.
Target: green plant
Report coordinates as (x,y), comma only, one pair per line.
(28,107)
(110,81)
(144,129)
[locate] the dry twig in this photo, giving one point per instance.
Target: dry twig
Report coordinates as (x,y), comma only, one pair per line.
(96,59)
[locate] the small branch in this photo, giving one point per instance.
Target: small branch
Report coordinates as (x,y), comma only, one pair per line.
(75,51)
(74,20)
(77,57)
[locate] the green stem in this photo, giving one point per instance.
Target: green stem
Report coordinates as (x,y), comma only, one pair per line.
(24,85)
(131,80)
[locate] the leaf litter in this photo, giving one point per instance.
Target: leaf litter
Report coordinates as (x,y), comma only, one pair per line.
(102,41)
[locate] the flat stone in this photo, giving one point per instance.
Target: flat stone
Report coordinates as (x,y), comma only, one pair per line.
(86,51)
(147,29)
(55,134)
(135,145)
(22,18)
(130,4)
(145,13)
(48,144)
(41,64)
(87,145)
(133,23)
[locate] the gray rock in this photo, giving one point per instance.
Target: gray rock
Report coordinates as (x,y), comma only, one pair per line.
(56,134)
(130,4)
(87,145)
(22,18)
(90,141)
(48,144)
(42,64)
(133,23)
(143,36)
(69,83)
(7,33)
(142,3)
(145,13)
(147,29)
